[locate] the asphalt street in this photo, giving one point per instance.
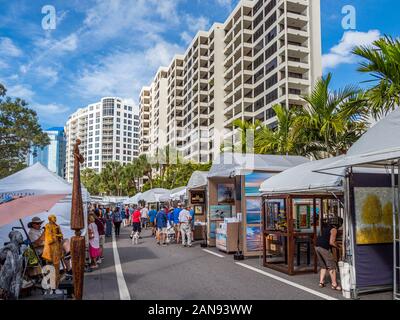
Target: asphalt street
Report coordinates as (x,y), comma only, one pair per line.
(153,272)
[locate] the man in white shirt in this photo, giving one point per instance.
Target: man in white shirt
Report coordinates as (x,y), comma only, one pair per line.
(186,232)
(144,216)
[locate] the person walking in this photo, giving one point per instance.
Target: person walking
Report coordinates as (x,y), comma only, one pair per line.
(94,242)
(136,223)
(161,223)
(191,211)
(326,261)
(175,213)
(117,220)
(108,218)
(184,221)
(152,217)
(100,223)
(144,217)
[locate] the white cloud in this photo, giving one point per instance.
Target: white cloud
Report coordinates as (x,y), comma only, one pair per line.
(8,48)
(342,52)
(186,37)
(123,73)
(3,65)
(225,3)
(20,91)
(49,109)
(197,23)
(48,73)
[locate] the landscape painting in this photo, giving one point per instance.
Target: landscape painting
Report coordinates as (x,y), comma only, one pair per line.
(221,212)
(253,210)
(226,193)
(253,181)
(253,238)
(374,215)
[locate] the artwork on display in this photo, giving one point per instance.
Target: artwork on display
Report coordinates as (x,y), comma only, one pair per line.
(221,212)
(253,181)
(253,210)
(225,193)
(197,197)
(198,210)
(303,216)
(374,215)
(213,230)
(275,215)
(253,238)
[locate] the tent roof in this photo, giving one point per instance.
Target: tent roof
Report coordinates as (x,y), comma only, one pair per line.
(153,195)
(303,179)
(133,200)
(198,179)
(228,164)
(379,145)
(35,179)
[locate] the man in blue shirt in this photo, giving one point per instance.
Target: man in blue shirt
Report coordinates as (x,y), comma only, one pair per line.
(175,213)
(152,216)
(161,223)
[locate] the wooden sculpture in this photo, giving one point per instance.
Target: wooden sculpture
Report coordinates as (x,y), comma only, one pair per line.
(77,224)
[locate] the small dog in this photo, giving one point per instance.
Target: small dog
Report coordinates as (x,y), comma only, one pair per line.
(135,238)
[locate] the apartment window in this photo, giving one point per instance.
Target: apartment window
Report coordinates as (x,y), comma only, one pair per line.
(91,115)
(258,62)
(259,89)
(257,20)
(271,96)
(97,139)
(96,151)
(271,35)
(271,65)
(97,145)
(258,6)
(90,121)
(271,81)
(96,164)
(295,91)
(258,75)
(97,126)
(270,21)
(258,33)
(90,139)
(98,120)
(96,157)
(270,6)
(258,47)
(270,113)
(118,144)
(97,132)
(259,104)
(271,50)
(117,157)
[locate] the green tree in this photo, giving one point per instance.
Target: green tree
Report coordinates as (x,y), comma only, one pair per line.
(19,131)
(382,62)
(91,180)
(246,128)
(111,178)
(329,118)
(284,139)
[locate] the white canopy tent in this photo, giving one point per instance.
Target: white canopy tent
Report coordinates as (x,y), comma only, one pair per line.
(174,194)
(303,179)
(198,179)
(232,164)
(133,200)
(153,195)
(377,147)
(38,180)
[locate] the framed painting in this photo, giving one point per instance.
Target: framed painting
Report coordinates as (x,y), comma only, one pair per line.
(225,193)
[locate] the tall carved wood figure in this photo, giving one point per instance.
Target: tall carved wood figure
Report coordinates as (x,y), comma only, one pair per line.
(77,224)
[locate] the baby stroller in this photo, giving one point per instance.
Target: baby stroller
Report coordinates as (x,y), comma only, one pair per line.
(170,234)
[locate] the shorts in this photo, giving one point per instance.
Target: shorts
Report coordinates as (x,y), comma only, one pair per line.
(162,230)
(136,227)
(325,259)
(102,240)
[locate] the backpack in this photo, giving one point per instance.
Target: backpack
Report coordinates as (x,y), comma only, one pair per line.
(117,217)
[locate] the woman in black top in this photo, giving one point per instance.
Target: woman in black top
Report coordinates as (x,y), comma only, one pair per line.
(325,241)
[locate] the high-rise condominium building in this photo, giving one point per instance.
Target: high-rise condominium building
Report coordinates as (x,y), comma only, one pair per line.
(109,131)
(51,156)
(267,52)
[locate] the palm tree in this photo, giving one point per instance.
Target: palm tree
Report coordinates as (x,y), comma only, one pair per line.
(383,63)
(329,116)
(245,127)
(284,139)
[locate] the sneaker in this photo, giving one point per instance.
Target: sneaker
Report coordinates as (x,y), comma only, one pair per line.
(158,242)
(164,244)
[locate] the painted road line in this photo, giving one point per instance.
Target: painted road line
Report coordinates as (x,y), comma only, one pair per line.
(214,253)
(293,284)
(122,287)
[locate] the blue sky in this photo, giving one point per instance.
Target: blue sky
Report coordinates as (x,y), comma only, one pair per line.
(114,47)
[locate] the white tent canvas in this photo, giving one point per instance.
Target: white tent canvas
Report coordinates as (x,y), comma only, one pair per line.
(153,195)
(198,179)
(38,180)
(379,144)
(231,164)
(303,179)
